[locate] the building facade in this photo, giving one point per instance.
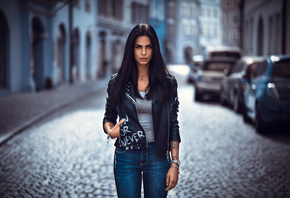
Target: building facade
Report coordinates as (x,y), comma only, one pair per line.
(230,11)
(266,27)
(47,43)
(115,21)
(191,26)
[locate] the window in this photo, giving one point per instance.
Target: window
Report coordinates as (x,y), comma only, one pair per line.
(117,9)
(224,18)
(270,48)
(171,10)
(261,69)
(139,13)
(202,12)
(234,19)
(218,66)
(228,3)
(193,10)
(215,12)
(225,36)
(208,12)
(185,9)
(193,27)
(207,31)
(88,5)
(185,27)
(102,8)
(278,34)
(236,37)
(216,31)
(76,3)
(238,67)
(112,8)
(282,69)
(170,29)
(170,26)
(251,29)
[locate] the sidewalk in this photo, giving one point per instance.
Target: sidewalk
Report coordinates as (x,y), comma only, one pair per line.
(20,111)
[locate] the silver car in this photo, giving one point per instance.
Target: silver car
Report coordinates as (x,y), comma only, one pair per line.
(210,75)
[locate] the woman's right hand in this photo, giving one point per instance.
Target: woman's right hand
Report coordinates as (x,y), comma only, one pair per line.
(115,131)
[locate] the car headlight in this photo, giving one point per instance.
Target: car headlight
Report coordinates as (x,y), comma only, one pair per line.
(272,91)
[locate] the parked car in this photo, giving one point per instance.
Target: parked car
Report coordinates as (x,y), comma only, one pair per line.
(232,86)
(222,52)
(267,98)
(209,77)
(196,62)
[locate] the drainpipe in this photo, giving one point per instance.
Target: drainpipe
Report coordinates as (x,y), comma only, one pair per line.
(70,17)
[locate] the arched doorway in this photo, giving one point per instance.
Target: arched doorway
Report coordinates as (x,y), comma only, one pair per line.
(103,63)
(88,55)
(37,54)
(117,50)
(260,38)
(188,53)
(61,41)
(4,46)
(76,55)
(169,52)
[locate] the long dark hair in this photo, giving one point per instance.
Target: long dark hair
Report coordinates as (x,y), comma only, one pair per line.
(128,71)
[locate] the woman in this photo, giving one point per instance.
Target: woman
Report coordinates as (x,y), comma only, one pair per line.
(144,96)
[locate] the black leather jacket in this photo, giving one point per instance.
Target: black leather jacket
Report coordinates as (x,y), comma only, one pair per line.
(132,135)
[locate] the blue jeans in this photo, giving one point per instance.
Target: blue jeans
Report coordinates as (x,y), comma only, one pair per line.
(129,166)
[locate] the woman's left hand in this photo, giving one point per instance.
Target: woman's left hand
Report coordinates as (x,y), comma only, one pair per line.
(172,178)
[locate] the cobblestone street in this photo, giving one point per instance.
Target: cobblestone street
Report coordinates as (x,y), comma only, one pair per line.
(67,155)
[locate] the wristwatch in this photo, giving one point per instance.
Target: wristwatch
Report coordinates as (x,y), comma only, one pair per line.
(176,161)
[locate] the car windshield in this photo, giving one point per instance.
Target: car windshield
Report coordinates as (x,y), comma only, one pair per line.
(253,66)
(218,66)
(282,69)
(235,55)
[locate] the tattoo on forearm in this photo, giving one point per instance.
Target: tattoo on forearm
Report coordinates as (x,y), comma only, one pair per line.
(174,145)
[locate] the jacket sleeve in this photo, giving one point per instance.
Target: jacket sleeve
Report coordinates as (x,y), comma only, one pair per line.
(110,111)
(174,108)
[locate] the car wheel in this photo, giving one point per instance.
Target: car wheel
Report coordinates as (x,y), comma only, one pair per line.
(197,96)
(260,125)
(236,104)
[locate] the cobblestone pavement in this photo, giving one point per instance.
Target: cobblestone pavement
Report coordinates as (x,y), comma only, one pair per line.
(66,155)
(21,110)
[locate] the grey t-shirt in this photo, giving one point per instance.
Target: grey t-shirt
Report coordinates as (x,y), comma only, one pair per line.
(144,108)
